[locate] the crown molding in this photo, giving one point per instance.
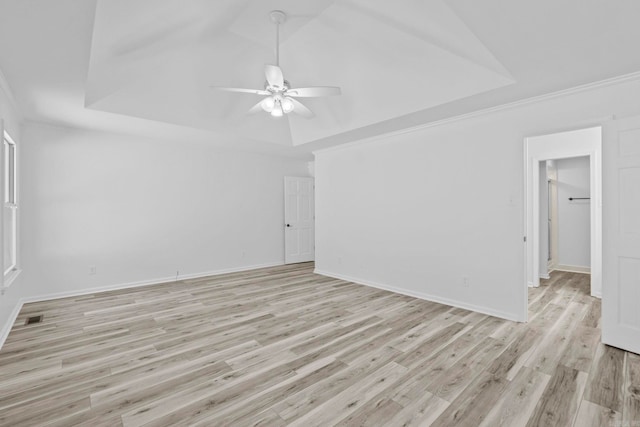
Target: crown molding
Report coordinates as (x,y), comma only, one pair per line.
(482,112)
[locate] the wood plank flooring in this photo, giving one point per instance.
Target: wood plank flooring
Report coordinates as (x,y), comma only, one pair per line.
(283,346)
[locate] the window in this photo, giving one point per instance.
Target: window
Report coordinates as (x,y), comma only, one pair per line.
(10,217)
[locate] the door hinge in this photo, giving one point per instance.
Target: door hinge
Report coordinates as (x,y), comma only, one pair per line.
(525,238)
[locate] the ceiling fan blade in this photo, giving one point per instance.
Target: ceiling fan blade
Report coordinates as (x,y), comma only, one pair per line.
(299,108)
(241,90)
(315,91)
(256,108)
(274,76)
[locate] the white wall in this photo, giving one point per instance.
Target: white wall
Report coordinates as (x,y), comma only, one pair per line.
(140,210)
(417,211)
(11,118)
(574,234)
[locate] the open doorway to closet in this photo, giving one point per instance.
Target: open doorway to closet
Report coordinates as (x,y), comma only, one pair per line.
(565,216)
(564,205)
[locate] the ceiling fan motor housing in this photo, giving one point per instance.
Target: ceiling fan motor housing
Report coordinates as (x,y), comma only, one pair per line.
(286,86)
(278,16)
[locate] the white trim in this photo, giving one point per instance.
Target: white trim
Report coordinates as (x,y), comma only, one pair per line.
(423,296)
(13,205)
(545,276)
(4,333)
(229,270)
(9,278)
(478,113)
(158,281)
(2,160)
(573,268)
(130,285)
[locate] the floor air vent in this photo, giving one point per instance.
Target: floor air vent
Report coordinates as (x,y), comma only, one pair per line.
(34,319)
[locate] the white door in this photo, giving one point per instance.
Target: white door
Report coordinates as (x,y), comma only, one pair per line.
(621,235)
(299,218)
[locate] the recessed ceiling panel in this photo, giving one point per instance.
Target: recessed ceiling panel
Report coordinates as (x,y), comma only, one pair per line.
(155,60)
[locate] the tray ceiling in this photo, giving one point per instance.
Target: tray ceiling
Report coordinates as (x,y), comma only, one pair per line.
(144,67)
(156,60)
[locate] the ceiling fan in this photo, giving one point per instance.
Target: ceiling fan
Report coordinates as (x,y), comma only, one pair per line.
(280,96)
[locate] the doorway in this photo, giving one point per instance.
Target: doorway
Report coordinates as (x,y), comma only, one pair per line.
(584,145)
(299,218)
(565,216)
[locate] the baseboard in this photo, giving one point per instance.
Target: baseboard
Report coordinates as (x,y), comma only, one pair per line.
(423,296)
(157,281)
(545,276)
(230,270)
(129,285)
(573,268)
(9,324)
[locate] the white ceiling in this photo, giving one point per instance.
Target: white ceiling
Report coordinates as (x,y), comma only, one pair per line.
(145,66)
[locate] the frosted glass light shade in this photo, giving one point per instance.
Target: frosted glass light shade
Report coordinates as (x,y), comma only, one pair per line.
(277,110)
(268,104)
(287,105)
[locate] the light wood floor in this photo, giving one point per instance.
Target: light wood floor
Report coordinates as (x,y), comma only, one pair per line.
(284,346)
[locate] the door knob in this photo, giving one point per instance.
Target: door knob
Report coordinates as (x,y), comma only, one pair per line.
(288,225)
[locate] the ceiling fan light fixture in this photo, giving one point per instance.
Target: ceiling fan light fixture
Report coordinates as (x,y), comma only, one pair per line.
(280,98)
(287,105)
(277,110)
(268,104)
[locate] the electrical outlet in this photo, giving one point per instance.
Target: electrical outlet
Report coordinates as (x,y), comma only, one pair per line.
(92,270)
(465,281)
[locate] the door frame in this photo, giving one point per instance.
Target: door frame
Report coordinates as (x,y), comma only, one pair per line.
(287,258)
(562,145)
